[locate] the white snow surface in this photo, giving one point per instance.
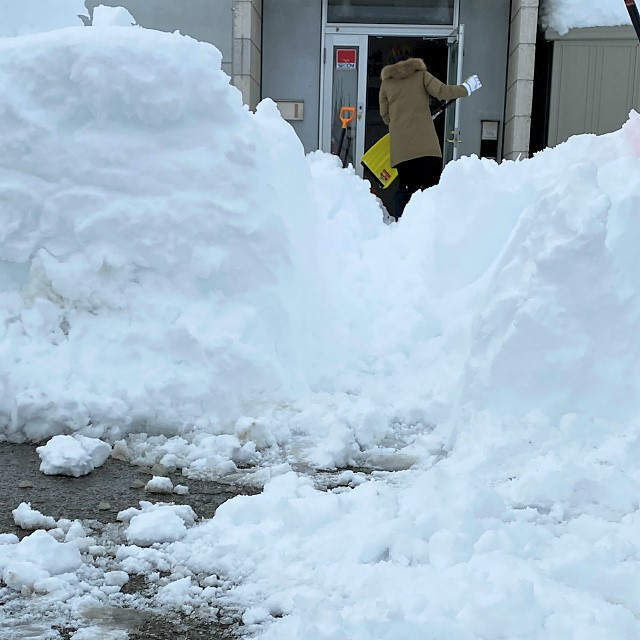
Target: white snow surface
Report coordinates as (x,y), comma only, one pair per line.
(74,455)
(159,484)
(30,563)
(31,519)
(156,523)
(112,17)
(181,276)
(563,15)
(180,269)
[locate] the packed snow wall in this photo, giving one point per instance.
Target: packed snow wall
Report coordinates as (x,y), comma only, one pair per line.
(150,232)
(171,262)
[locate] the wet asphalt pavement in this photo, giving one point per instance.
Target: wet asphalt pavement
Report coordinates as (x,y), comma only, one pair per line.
(116,483)
(99,497)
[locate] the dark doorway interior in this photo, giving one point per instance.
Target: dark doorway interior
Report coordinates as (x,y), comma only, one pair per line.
(435,53)
(541,94)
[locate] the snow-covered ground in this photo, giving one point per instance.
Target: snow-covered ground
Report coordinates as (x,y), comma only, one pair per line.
(563,15)
(178,279)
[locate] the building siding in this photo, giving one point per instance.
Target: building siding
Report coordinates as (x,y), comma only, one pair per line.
(595,81)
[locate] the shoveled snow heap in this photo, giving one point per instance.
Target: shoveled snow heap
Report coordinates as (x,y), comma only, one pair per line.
(171,262)
(150,274)
(180,269)
(563,15)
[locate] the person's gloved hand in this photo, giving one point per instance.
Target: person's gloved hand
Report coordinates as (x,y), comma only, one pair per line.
(472,83)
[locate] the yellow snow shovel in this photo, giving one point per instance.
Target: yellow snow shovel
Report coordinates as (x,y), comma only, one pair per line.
(378,161)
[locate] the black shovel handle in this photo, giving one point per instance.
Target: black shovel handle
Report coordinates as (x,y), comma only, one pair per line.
(632,8)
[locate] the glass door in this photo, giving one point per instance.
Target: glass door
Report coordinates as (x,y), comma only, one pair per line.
(345,93)
(453,139)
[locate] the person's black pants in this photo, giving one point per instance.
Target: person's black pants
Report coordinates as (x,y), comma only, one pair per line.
(414,175)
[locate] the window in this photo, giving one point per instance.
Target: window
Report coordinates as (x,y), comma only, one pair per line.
(391,11)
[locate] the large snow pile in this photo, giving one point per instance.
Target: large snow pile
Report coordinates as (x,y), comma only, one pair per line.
(148,231)
(520,518)
(22,17)
(180,269)
(171,263)
(563,15)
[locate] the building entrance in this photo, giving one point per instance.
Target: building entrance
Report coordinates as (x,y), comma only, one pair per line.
(353,63)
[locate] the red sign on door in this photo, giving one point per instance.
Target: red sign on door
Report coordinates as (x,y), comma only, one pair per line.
(346,59)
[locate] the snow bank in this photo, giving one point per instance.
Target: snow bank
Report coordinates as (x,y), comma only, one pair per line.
(563,15)
(73,455)
(520,516)
(187,274)
(22,17)
(519,533)
(147,278)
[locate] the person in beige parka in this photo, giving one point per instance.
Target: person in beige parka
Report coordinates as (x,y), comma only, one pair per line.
(404,107)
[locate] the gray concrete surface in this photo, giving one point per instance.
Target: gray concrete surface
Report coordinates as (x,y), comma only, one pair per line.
(78,498)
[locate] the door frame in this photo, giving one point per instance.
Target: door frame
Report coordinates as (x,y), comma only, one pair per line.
(326,117)
(454,33)
(358,35)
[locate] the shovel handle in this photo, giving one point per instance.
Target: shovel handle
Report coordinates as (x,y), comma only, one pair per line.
(347,116)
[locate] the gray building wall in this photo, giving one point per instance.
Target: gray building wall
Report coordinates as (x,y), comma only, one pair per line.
(485,53)
(291,35)
(205,20)
(595,81)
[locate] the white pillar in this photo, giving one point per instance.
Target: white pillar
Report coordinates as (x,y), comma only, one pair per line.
(522,57)
(247,49)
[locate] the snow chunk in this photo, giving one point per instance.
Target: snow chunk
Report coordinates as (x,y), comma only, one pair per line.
(155,526)
(9,538)
(27,518)
(74,455)
(176,593)
(104,16)
(36,558)
(156,523)
(159,484)
(563,15)
(181,489)
(116,578)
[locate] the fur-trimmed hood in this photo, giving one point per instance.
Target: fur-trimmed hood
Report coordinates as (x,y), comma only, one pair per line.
(403,69)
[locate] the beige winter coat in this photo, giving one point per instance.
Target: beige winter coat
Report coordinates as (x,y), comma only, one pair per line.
(404,106)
